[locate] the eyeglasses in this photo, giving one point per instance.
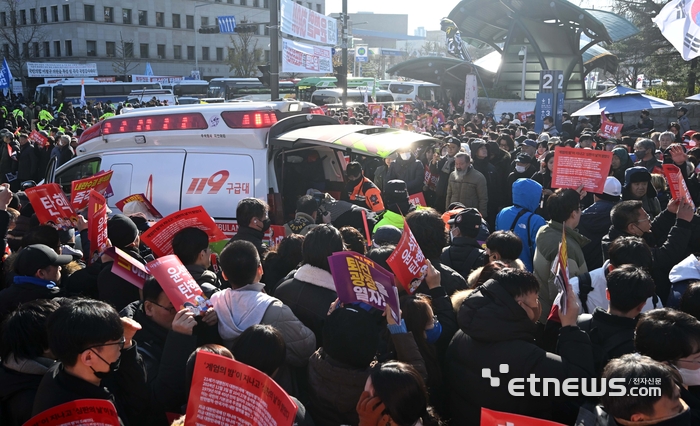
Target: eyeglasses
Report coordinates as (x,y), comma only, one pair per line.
(647,219)
(170,309)
(120,343)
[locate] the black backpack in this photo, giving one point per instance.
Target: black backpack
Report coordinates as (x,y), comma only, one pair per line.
(601,349)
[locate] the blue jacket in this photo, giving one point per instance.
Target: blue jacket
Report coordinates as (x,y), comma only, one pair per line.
(526,195)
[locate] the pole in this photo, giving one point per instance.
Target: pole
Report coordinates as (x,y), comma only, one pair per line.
(522,87)
(196,45)
(345,51)
(274,50)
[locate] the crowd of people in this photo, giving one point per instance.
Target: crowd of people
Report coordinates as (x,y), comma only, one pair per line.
(490,227)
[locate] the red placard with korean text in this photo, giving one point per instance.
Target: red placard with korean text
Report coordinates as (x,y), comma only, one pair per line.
(277,234)
(81,188)
(608,129)
(38,139)
(126,267)
(228,392)
(574,167)
(430,179)
(378,122)
(499,418)
(522,116)
(160,235)
(97,225)
(407,262)
(139,198)
(177,283)
(417,199)
(677,185)
(376,109)
(51,206)
(81,412)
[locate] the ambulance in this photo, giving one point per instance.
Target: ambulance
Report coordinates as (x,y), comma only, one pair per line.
(217,154)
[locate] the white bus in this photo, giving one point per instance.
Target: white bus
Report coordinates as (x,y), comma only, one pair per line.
(68,90)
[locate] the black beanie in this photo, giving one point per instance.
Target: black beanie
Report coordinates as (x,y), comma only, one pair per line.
(351,336)
(121,231)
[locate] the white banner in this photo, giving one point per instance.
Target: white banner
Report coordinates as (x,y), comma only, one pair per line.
(302,58)
(471,94)
(155,78)
(52,69)
(299,21)
(678,22)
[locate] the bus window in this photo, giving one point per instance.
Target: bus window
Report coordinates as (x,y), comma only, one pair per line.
(401,89)
(58,95)
(71,91)
(43,95)
(94,90)
(426,93)
(216,91)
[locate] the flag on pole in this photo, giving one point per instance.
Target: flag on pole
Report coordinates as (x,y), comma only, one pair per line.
(560,269)
(374,90)
(679,22)
(82,94)
(149,70)
(5,75)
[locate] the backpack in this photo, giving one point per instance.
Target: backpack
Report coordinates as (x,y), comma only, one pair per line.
(520,214)
(601,349)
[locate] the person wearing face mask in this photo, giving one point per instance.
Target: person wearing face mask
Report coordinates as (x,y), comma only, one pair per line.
(408,169)
(548,126)
(253,223)
(467,185)
(362,191)
(644,152)
(464,254)
(92,343)
(496,327)
(638,187)
(442,168)
(523,169)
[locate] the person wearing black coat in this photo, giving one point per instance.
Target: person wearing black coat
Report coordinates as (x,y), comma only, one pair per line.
(443,168)
(494,184)
(497,333)
(595,221)
(8,162)
(408,169)
(28,160)
(465,253)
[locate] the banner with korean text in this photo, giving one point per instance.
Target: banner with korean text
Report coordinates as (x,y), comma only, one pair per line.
(80,189)
(307,59)
(126,267)
(52,69)
(84,412)
(574,167)
(97,225)
(408,262)
(299,21)
(177,283)
(51,206)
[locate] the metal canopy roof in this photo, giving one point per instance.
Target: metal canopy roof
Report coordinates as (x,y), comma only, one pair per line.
(618,27)
(439,70)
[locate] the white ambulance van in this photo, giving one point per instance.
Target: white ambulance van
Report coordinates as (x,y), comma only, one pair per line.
(215,155)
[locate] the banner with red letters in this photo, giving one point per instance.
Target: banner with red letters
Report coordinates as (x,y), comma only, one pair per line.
(574,167)
(97,225)
(376,110)
(677,185)
(608,129)
(126,267)
(80,189)
(408,262)
(499,418)
(81,412)
(143,204)
(160,235)
(228,392)
(51,206)
(177,283)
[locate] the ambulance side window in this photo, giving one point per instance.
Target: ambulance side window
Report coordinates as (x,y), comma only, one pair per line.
(80,170)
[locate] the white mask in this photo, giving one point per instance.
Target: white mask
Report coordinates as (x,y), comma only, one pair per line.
(547,126)
(519,169)
(405,156)
(690,377)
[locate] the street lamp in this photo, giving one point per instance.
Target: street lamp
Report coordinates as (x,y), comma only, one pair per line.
(522,55)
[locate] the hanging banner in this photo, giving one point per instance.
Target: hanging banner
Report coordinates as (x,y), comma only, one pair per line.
(51,206)
(574,167)
(177,283)
(299,21)
(307,59)
(86,412)
(228,392)
(80,189)
(52,69)
(471,94)
(97,225)
(155,79)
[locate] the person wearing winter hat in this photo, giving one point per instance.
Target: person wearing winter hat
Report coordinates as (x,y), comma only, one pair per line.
(620,163)
(386,235)
(595,221)
(524,168)
(638,187)
(464,254)
(124,235)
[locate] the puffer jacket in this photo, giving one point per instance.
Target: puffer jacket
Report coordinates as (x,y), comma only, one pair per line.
(410,171)
(20,380)
(495,330)
(548,240)
(526,195)
(470,190)
(457,255)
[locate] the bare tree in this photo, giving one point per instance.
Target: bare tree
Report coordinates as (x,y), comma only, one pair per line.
(244,55)
(124,61)
(19,33)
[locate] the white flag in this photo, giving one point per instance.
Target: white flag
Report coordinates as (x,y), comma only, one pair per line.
(679,22)
(82,94)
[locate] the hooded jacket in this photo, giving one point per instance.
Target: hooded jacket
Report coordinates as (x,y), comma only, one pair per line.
(649,201)
(526,196)
(548,239)
(20,380)
(410,171)
(301,224)
(243,307)
(495,330)
(682,274)
(25,289)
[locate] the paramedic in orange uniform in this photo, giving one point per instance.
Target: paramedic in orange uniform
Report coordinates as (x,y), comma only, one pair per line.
(362,191)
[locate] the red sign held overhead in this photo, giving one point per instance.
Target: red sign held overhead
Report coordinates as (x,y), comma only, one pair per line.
(608,129)
(574,167)
(408,262)
(177,283)
(80,189)
(417,199)
(143,201)
(51,206)
(499,418)
(677,185)
(97,225)
(38,139)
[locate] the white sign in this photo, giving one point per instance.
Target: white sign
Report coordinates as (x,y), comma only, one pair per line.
(52,69)
(299,21)
(155,78)
(471,94)
(303,58)
(361,54)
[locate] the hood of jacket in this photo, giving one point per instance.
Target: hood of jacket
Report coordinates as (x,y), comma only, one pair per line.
(37,366)
(686,269)
(527,194)
(240,308)
(315,276)
(490,314)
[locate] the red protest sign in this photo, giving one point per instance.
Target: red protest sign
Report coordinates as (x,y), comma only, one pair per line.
(677,185)
(522,116)
(498,418)
(79,412)
(141,204)
(160,235)
(81,188)
(51,206)
(378,122)
(417,199)
(407,262)
(608,129)
(126,267)
(177,283)
(97,225)
(228,392)
(398,122)
(376,109)
(407,108)
(277,234)
(38,139)
(430,179)
(574,167)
